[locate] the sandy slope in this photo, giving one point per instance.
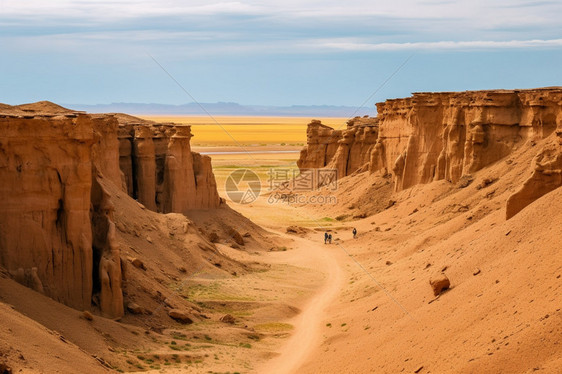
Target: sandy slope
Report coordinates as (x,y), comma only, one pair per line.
(32,348)
(304,307)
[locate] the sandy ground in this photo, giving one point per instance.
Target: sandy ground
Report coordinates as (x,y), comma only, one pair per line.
(307,324)
(359,305)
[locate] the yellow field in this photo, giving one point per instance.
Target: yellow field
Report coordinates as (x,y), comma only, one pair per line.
(261,144)
(246,130)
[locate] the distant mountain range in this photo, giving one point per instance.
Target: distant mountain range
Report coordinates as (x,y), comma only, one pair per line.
(224,109)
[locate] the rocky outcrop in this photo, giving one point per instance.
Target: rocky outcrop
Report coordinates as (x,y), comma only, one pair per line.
(546,177)
(57,232)
(107,274)
(160,170)
(435,136)
(321,146)
(439,283)
(46,173)
(345,150)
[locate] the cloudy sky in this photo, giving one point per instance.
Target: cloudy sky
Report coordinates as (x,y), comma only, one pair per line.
(272,52)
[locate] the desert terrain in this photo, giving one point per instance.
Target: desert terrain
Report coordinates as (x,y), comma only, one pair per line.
(456,266)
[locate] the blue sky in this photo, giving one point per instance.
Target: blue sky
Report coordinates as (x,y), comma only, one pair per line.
(272,52)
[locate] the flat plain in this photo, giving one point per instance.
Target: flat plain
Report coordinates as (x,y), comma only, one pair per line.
(260,144)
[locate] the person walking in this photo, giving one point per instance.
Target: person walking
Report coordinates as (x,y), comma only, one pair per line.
(330,238)
(325,237)
(354,233)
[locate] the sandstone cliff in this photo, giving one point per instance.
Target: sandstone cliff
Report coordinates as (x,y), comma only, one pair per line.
(346,150)
(57,231)
(160,170)
(445,136)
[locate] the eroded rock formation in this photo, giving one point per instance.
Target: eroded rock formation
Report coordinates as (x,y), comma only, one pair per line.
(435,136)
(345,150)
(46,174)
(160,170)
(546,177)
(57,232)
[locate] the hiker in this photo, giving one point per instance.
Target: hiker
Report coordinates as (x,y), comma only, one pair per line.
(354,233)
(330,238)
(325,237)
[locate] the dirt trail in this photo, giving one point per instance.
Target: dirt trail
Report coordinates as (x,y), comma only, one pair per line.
(308,323)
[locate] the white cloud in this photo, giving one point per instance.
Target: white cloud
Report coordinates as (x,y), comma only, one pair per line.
(289,26)
(347,45)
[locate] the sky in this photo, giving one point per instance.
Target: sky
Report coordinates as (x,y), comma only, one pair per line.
(291,52)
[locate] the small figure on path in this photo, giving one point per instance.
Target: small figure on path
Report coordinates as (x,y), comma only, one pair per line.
(325,237)
(354,233)
(330,238)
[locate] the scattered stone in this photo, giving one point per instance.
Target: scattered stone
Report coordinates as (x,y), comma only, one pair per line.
(149,239)
(5,369)
(507,233)
(439,283)
(247,235)
(476,271)
(135,308)
(296,230)
(213,237)
(180,316)
(444,268)
(388,263)
(390,203)
(234,245)
(87,316)
(121,227)
(418,369)
(235,235)
(360,216)
(465,181)
(138,263)
(228,318)
(182,269)
(204,246)
(428,265)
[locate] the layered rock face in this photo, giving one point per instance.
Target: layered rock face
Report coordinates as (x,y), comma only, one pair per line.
(435,136)
(161,171)
(546,177)
(45,227)
(345,150)
(57,232)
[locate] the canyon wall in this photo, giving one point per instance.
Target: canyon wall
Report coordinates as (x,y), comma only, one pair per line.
(436,136)
(345,150)
(45,227)
(57,232)
(160,170)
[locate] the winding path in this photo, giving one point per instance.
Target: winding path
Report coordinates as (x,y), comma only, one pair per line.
(308,323)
